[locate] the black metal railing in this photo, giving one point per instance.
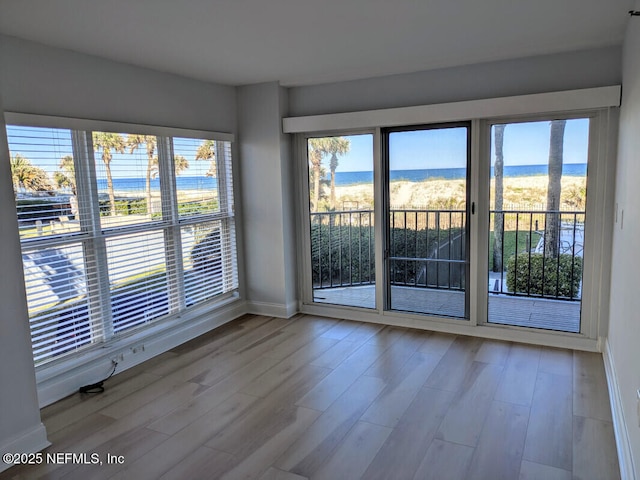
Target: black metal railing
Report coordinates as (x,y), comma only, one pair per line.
(428,248)
(537,253)
(342,248)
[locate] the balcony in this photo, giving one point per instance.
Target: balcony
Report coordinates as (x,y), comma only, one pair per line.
(537,286)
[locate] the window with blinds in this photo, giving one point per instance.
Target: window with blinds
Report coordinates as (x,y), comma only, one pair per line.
(119,231)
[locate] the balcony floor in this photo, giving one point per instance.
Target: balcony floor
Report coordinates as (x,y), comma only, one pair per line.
(506,310)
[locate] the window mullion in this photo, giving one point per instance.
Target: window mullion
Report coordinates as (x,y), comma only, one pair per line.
(225,194)
(170,215)
(95,254)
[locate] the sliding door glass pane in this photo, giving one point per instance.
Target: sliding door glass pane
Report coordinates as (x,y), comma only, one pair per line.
(537,219)
(341,215)
(427,234)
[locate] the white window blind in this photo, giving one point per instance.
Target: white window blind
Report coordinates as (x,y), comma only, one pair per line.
(119,231)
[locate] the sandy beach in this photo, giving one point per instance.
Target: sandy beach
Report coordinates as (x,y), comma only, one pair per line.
(519,193)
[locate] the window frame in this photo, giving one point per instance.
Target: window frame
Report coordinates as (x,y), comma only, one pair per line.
(93,236)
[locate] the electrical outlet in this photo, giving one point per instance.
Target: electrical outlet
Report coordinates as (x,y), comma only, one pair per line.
(118,358)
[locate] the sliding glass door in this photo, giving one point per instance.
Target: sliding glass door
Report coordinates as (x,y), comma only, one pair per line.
(399,241)
(427,235)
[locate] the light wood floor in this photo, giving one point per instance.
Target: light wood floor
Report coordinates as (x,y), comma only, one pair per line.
(311,397)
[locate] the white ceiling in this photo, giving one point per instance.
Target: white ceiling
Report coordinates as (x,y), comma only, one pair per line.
(301,42)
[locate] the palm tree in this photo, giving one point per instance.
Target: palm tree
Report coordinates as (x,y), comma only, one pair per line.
(207,151)
(319,148)
(65,178)
(27,176)
(151,141)
(554,189)
(316,154)
(180,164)
(335,146)
(498,173)
(107,142)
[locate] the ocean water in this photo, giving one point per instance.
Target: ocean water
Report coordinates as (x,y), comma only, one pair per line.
(350,178)
(347,178)
(138,184)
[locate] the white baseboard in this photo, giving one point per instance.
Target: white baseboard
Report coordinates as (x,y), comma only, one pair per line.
(62,379)
(30,441)
(625,458)
(279,310)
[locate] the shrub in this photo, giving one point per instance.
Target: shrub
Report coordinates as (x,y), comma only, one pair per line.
(345,255)
(560,277)
(342,255)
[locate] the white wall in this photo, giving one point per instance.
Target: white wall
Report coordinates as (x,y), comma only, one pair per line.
(624,317)
(50,81)
(566,71)
(269,241)
(20,426)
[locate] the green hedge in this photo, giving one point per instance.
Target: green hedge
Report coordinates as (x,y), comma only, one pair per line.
(344,255)
(525,275)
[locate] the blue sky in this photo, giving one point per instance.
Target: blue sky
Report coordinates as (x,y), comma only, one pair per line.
(524,144)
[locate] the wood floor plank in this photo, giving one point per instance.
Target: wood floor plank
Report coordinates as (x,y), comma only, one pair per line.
(312,325)
(493,351)
(354,454)
(213,341)
(204,462)
(276,376)
(223,334)
(519,379)
(364,332)
(138,418)
(146,395)
(557,361)
(131,445)
(276,474)
(437,343)
(403,451)
(169,453)
(537,471)
(445,460)
(387,336)
(268,415)
(589,398)
(499,452)
(255,465)
(394,400)
(550,433)
(92,404)
(313,447)
(594,450)
(391,361)
(456,362)
(204,402)
(341,378)
(256,335)
(337,354)
(341,330)
(299,341)
(466,416)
